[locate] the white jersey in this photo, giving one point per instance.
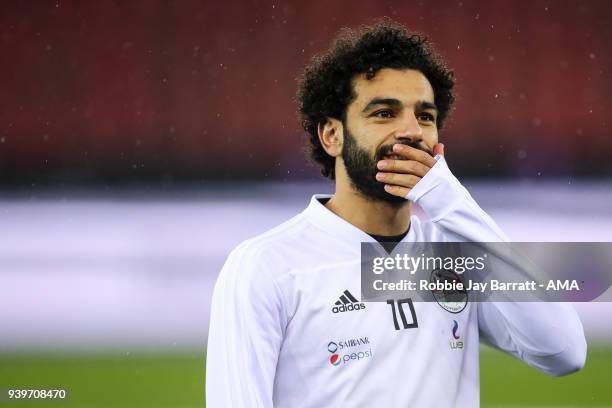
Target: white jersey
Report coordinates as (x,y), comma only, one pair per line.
(288,330)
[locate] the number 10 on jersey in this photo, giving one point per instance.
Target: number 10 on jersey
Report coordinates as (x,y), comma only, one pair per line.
(400,308)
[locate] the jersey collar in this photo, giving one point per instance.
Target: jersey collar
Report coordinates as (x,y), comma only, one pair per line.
(319,215)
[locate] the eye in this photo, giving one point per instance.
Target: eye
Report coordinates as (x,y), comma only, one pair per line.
(426,117)
(384,114)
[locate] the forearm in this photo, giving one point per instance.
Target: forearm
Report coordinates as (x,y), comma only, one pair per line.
(452,209)
(547,336)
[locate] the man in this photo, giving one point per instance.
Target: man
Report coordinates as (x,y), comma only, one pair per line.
(287,329)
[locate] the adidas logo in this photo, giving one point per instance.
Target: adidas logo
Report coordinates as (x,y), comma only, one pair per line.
(347,303)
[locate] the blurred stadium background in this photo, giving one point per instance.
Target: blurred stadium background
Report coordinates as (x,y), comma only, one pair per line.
(141,141)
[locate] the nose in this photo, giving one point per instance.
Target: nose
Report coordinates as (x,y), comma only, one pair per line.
(410,129)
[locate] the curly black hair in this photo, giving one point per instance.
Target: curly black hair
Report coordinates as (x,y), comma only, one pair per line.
(325,87)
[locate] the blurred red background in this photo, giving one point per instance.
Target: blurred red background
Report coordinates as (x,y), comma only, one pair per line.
(163,91)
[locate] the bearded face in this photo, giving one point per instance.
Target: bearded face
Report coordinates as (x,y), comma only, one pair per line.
(361,168)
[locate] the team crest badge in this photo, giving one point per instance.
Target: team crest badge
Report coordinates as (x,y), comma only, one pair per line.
(453,301)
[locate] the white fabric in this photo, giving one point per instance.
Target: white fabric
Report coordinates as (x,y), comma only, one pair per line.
(272,319)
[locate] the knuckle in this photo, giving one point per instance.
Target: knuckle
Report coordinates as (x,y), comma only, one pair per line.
(404,166)
(418,168)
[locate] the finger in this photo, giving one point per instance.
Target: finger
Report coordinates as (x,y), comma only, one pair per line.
(397,190)
(403,166)
(438,149)
(403,180)
(414,154)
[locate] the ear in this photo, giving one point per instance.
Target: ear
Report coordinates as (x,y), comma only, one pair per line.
(330,136)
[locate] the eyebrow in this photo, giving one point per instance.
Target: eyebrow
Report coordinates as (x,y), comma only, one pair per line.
(421,105)
(381,101)
(424,105)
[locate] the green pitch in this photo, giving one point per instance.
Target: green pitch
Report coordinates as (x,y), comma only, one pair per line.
(507,382)
(156,380)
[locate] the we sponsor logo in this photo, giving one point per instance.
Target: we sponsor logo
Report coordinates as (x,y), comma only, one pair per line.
(456,343)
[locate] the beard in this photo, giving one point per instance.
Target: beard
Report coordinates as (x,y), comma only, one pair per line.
(361,168)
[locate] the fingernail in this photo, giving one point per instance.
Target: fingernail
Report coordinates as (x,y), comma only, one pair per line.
(398,147)
(382,164)
(380,176)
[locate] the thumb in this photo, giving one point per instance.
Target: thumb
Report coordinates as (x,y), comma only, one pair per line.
(438,149)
